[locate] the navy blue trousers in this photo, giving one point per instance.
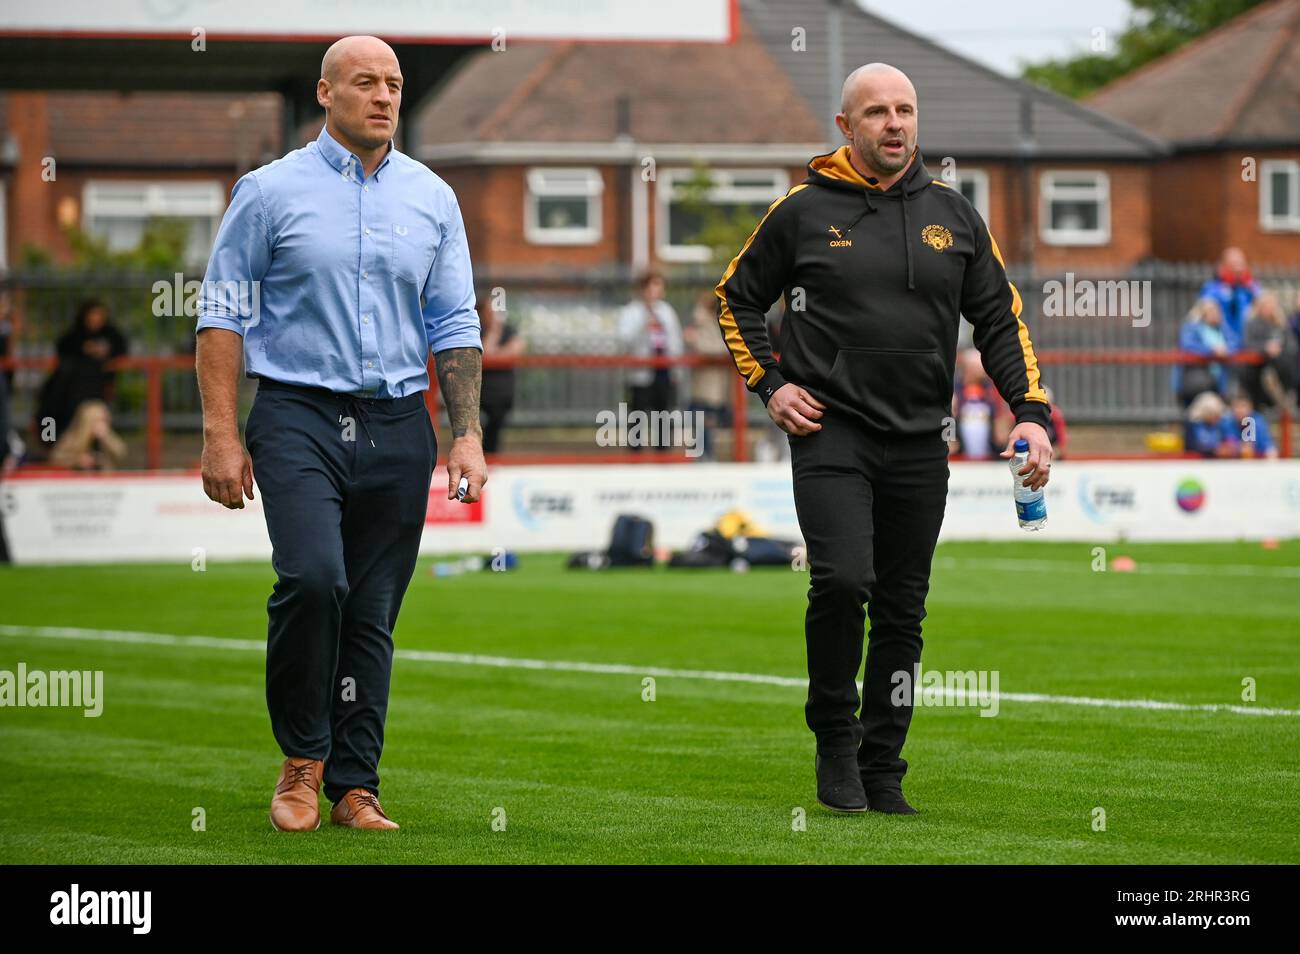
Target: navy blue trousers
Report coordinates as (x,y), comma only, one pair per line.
(870,506)
(344,484)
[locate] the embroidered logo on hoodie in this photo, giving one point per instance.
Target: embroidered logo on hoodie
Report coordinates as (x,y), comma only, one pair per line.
(937,237)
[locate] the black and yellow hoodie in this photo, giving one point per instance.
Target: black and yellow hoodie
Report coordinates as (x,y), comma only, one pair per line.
(873,281)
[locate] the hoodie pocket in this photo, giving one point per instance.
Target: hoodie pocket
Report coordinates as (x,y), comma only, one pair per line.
(901,390)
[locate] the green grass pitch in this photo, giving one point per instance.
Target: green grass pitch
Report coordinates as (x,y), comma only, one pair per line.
(582,769)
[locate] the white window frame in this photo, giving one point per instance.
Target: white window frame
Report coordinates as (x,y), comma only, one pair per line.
(723,190)
(979,178)
(161,198)
(1049,190)
(1290,221)
(590,185)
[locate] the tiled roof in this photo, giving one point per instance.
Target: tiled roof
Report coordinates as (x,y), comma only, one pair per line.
(964,108)
(653,92)
(1238,84)
(167,130)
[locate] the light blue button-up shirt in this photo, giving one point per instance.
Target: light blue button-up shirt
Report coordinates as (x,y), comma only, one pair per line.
(340,281)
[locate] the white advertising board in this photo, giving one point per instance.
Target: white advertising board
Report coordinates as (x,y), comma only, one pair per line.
(431,21)
(166,517)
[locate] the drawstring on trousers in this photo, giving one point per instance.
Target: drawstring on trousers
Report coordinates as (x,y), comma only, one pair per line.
(356,409)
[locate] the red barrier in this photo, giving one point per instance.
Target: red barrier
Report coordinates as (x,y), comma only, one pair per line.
(154,366)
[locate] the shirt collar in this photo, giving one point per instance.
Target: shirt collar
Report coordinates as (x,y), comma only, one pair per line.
(343,160)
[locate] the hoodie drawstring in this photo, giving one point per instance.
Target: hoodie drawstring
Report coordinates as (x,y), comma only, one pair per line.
(907,232)
(869,208)
(907,244)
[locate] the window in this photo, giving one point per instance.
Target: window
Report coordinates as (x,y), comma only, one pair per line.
(745,191)
(1074,208)
(562,206)
(1279,195)
(119,211)
(974,185)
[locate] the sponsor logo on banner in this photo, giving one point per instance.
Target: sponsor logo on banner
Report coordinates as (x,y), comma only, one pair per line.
(1190,495)
(1101,500)
(535,505)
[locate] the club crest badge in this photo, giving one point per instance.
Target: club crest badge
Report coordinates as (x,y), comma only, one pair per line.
(937,237)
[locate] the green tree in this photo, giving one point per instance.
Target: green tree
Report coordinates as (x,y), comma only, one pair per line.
(1155,27)
(723,229)
(161,249)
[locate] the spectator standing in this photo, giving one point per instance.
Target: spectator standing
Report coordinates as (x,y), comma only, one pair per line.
(710,385)
(649,328)
(500,340)
(980,413)
(82,374)
(1235,289)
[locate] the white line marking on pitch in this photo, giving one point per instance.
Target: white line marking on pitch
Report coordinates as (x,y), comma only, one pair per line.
(1084,564)
(614,669)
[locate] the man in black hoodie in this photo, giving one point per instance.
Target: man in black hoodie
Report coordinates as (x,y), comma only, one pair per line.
(876,259)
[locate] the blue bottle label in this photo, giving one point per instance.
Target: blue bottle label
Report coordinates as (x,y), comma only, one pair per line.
(1032,509)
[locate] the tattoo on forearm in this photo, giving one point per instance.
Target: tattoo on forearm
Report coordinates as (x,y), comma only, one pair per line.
(460,374)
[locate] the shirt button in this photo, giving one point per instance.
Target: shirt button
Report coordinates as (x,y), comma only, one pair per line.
(370,364)
(365,274)
(365,320)
(367,231)
(365,188)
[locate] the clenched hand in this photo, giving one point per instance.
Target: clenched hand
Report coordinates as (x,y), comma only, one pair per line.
(794,410)
(227,472)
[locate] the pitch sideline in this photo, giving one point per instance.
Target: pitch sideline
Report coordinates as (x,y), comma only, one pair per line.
(616,669)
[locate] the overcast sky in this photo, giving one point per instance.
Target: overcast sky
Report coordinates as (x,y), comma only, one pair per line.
(1002,34)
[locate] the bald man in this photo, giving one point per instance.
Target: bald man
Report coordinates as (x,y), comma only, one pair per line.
(335,272)
(876,260)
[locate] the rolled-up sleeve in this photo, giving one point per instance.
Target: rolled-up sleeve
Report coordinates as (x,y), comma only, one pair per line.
(230,297)
(450,319)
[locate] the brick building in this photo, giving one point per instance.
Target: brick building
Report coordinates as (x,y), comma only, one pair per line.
(546,150)
(1228,105)
(575,156)
(1059,184)
(109,161)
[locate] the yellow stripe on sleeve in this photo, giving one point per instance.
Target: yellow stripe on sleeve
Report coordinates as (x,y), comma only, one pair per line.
(1035,392)
(746,363)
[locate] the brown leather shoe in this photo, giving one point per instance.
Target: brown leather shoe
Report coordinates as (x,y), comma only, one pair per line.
(296,805)
(360,809)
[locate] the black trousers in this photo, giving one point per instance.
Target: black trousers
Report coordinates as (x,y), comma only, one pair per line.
(345,519)
(659,395)
(870,506)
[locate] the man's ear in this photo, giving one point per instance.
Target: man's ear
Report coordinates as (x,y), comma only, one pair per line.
(323,93)
(843,122)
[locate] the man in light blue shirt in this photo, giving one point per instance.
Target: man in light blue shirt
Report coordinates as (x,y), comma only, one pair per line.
(356,278)
(335,271)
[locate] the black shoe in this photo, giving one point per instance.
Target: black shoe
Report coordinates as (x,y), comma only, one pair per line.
(888,798)
(839,786)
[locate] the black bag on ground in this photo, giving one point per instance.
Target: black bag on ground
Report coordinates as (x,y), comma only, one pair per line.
(633,541)
(709,548)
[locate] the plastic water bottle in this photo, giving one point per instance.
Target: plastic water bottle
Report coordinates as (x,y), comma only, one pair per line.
(1031,508)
